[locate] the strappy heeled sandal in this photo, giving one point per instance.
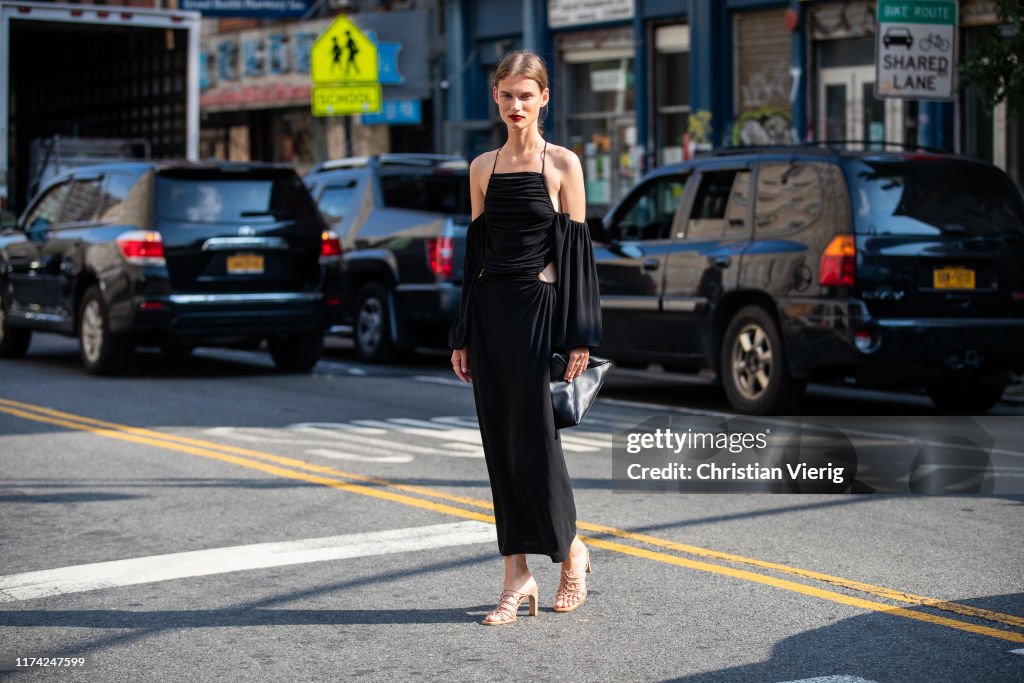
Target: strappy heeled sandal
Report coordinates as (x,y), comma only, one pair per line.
(508,607)
(572,584)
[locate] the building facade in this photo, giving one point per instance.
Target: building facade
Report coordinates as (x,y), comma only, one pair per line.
(641,83)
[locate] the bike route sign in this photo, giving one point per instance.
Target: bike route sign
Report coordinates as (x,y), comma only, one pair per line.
(915,55)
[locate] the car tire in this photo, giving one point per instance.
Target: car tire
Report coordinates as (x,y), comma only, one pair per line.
(14,341)
(296,352)
(371,325)
(754,369)
(102,352)
(967,394)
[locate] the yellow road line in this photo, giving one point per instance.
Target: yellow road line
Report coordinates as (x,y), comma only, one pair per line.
(807,590)
(206,449)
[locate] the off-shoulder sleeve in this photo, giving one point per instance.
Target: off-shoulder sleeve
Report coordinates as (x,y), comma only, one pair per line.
(475,242)
(578,319)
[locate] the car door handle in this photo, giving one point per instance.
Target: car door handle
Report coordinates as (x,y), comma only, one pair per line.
(651,263)
(722,261)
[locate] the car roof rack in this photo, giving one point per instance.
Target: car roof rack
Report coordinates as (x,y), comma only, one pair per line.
(820,145)
(400,159)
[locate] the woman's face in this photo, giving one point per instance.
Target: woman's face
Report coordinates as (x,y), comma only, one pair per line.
(519,100)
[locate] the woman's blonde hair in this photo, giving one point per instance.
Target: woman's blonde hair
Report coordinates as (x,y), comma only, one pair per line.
(528,64)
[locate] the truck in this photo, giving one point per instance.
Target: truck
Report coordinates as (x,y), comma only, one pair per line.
(94,72)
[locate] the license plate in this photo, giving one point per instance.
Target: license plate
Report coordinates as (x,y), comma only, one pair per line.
(245,264)
(953,277)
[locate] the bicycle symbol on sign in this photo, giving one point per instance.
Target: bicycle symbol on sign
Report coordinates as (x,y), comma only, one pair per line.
(934,40)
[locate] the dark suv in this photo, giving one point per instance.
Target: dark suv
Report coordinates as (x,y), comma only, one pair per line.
(171,254)
(402,219)
(775,266)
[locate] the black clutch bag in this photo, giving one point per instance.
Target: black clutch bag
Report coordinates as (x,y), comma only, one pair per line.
(572,400)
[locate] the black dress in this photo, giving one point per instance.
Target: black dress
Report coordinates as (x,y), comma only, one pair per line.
(511,321)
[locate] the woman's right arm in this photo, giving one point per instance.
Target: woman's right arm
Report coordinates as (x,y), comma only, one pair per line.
(474,255)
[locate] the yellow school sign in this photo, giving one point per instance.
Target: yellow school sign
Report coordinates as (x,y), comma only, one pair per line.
(343,68)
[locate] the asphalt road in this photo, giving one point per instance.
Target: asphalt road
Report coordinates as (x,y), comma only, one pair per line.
(207,518)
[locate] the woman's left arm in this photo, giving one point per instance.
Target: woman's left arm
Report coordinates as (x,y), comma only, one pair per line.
(572,196)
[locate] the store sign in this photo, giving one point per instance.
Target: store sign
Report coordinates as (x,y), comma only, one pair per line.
(915,55)
(265,9)
(575,12)
(396,112)
(344,70)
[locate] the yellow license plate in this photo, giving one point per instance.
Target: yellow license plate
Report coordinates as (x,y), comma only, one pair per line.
(953,277)
(245,264)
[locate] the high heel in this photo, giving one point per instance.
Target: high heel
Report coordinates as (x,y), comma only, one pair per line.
(572,584)
(508,606)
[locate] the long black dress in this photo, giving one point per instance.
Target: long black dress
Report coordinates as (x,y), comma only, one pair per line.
(512,321)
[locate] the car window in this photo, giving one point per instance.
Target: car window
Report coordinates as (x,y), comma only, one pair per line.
(81,201)
(789,197)
(933,196)
(47,211)
(337,201)
(119,190)
(649,211)
(722,196)
(214,198)
(437,193)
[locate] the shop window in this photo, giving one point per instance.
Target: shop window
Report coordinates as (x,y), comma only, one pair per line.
(671,90)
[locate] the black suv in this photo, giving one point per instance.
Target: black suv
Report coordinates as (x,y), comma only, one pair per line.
(775,266)
(402,219)
(171,254)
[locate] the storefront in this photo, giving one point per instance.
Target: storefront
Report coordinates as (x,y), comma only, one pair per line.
(255,93)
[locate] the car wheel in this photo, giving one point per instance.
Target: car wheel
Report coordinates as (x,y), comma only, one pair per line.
(296,352)
(14,341)
(102,352)
(371,330)
(754,370)
(967,394)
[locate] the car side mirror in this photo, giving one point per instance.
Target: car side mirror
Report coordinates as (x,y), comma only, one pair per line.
(598,231)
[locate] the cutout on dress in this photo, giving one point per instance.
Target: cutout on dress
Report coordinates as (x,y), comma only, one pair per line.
(543,275)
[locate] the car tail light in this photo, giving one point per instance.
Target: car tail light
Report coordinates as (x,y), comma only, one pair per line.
(839,262)
(330,247)
(441,254)
(142,247)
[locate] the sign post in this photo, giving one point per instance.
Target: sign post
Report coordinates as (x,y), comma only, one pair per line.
(916,49)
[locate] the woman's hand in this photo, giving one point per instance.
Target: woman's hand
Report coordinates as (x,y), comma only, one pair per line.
(578,361)
(460,364)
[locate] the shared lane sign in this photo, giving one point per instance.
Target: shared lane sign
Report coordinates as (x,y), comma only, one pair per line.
(915,55)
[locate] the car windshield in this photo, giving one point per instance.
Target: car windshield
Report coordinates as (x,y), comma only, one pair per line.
(213,198)
(932,196)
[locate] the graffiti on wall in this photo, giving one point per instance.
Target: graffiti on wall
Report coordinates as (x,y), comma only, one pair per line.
(764,127)
(769,86)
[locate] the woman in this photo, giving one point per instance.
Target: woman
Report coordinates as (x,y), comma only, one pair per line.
(529,287)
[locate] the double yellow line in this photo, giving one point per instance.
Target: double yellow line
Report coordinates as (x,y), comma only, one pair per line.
(470,508)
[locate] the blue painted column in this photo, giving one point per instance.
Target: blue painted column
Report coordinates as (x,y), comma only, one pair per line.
(455,54)
(935,125)
(798,101)
(642,94)
(546,49)
(709,74)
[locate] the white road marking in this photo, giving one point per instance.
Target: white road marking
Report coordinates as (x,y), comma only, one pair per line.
(382,457)
(134,571)
(1017,652)
(443,380)
(833,679)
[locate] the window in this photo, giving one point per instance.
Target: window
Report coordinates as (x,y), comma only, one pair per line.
(336,201)
(80,204)
(649,214)
(47,210)
(119,190)
(718,203)
(789,197)
(671,91)
(444,194)
(196,198)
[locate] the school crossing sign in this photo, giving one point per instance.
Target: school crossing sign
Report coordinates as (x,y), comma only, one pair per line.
(344,70)
(915,55)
